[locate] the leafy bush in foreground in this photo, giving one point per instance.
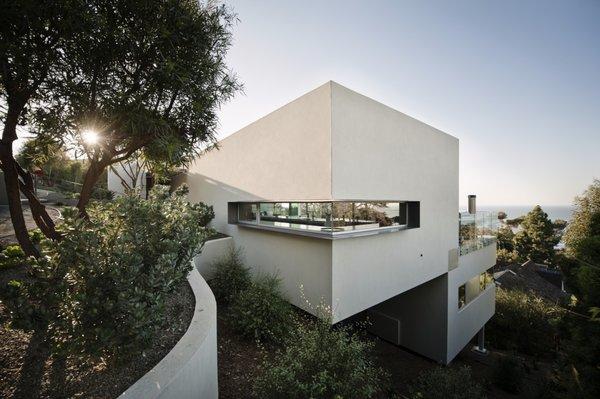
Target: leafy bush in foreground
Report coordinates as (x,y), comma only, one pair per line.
(446,383)
(12,256)
(321,362)
(260,311)
(524,322)
(106,282)
(230,276)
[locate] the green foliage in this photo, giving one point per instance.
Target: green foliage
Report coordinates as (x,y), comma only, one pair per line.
(12,256)
(515,222)
(506,257)
(230,276)
(105,283)
(260,312)
(583,224)
(319,361)
(524,322)
(505,253)
(501,215)
(582,364)
(588,283)
(536,240)
(505,238)
(581,268)
(509,374)
(446,383)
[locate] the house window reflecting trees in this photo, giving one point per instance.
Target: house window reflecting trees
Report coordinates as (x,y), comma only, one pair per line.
(329,217)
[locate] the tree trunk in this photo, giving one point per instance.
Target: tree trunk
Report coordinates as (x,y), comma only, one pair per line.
(91,177)
(11,180)
(38,210)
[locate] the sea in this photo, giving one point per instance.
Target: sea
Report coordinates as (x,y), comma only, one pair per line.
(513,211)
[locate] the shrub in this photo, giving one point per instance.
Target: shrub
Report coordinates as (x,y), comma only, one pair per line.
(509,374)
(319,361)
(260,312)
(524,322)
(230,276)
(107,280)
(506,257)
(23,313)
(446,383)
(12,256)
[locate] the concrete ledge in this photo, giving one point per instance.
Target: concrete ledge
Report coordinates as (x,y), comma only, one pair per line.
(211,251)
(190,369)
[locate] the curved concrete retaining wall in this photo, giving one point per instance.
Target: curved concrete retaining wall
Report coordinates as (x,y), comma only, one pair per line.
(190,369)
(211,251)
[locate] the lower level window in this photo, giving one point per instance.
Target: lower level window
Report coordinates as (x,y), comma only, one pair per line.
(462,296)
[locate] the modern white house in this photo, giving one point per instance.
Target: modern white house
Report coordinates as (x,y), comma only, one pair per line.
(355,205)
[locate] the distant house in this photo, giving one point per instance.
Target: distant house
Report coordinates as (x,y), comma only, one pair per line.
(355,204)
(534,278)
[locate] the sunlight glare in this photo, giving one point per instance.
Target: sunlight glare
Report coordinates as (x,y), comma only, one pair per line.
(90,137)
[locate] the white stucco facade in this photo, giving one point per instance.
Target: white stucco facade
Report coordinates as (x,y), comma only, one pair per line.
(334,144)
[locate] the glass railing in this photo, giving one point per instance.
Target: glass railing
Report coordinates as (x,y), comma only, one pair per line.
(476,230)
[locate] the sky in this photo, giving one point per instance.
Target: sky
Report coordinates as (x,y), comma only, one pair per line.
(518,82)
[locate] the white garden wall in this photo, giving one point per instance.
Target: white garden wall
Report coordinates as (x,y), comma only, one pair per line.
(190,369)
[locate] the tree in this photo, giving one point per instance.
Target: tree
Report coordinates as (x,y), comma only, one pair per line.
(586,206)
(31,35)
(143,76)
(505,238)
(501,215)
(536,240)
(581,267)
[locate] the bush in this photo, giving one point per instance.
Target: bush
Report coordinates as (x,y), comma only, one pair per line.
(230,276)
(506,257)
(260,312)
(509,374)
(321,362)
(12,256)
(446,383)
(107,280)
(524,322)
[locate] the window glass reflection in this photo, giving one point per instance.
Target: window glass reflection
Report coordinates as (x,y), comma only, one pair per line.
(336,216)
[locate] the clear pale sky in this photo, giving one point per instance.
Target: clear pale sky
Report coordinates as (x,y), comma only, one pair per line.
(518,82)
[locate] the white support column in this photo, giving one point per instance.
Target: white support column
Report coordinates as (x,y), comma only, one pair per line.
(480,347)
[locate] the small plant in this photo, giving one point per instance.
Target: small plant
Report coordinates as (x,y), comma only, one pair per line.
(509,374)
(446,383)
(230,276)
(320,361)
(525,323)
(12,256)
(260,312)
(36,236)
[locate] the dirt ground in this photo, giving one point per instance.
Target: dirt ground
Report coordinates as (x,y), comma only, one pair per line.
(7,233)
(28,369)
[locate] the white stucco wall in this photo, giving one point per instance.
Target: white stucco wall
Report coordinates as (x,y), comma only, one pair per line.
(464,323)
(190,369)
(212,251)
(285,155)
(379,153)
(117,173)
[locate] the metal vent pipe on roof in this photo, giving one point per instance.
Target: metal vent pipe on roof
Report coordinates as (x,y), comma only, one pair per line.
(472,204)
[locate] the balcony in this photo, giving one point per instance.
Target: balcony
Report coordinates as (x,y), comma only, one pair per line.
(476,231)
